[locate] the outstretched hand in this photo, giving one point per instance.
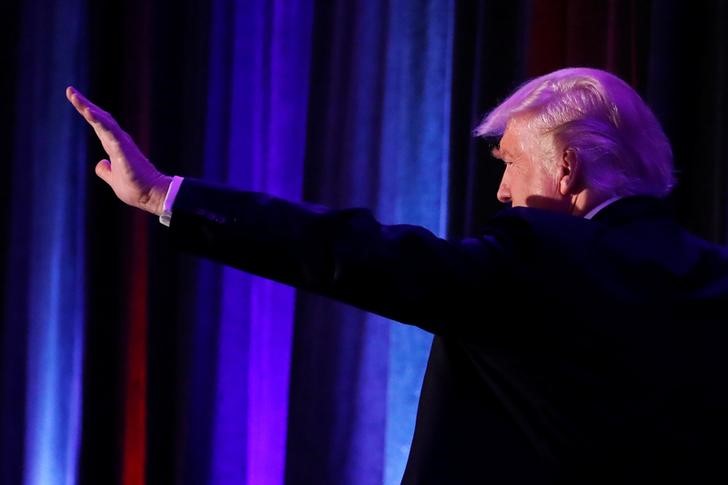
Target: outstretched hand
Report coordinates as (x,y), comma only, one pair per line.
(134,180)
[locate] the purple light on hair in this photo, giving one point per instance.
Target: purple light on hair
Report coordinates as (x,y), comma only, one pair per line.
(622,145)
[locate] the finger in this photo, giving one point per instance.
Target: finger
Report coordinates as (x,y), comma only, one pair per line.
(92,113)
(80,101)
(82,105)
(103,170)
(106,128)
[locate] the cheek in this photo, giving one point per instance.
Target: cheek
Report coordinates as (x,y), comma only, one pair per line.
(543,183)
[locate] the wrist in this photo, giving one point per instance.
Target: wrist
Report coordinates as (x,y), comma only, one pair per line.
(154,201)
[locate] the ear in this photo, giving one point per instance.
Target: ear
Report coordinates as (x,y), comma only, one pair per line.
(570,172)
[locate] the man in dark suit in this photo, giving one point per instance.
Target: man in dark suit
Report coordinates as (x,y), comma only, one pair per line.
(606,360)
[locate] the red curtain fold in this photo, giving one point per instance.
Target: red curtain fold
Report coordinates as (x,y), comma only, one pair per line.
(608,34)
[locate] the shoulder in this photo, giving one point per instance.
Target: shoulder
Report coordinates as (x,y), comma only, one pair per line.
(519,226)
(621,216)
(634,230)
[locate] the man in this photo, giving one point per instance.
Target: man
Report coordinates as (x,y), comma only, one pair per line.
(576,340)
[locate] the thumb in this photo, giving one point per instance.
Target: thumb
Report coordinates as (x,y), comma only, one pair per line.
(103,170)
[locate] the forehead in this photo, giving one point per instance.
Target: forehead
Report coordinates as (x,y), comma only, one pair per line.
(515,136)
(517,128)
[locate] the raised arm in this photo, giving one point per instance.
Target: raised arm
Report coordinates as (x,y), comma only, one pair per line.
(402,272)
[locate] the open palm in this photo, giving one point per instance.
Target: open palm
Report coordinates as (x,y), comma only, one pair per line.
(134,180)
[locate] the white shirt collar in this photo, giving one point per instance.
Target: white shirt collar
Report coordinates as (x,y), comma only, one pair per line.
(601,206)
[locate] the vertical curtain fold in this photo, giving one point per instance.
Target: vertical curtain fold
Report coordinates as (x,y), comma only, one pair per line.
(413,183)
(46,280)
(687,87)
(257,107)
(195,373)
(482,76)
(136,284)
(338,388)
(377,138)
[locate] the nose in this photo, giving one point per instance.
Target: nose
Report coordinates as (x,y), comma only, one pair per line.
(504,192)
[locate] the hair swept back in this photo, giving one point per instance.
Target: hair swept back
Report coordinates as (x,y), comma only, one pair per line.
(622,146)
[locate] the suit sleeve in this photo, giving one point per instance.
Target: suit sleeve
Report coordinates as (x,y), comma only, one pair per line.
(402,272)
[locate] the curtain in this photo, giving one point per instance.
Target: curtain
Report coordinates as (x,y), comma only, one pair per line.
(379,100)
(124,361)
(44,263)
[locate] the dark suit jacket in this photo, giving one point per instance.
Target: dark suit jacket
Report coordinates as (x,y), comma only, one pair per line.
(566,350)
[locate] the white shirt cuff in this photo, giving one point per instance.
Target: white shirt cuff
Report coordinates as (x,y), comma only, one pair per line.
(166,216)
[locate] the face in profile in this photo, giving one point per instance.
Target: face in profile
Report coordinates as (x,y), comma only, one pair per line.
(532,175)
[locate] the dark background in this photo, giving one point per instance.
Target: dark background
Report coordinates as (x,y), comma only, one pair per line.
(672,52)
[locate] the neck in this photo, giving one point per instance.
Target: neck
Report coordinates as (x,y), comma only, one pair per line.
(587,200)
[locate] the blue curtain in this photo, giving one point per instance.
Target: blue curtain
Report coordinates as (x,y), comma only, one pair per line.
(44,281)
(347,103)
(260,135)
(378,138)
(255,140)
(414,168)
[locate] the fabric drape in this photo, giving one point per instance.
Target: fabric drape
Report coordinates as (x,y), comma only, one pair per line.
(125,361)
